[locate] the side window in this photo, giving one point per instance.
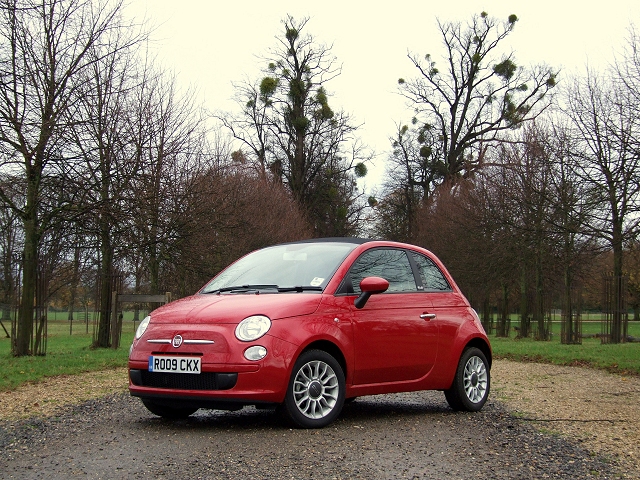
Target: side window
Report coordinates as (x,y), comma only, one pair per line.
(432,278)
(391,264)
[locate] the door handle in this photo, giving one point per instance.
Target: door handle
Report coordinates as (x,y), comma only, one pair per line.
(428,316)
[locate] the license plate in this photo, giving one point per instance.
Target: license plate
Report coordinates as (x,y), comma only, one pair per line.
(174,364)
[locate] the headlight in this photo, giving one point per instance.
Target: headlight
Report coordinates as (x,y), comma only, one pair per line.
(252,328)
(142,327)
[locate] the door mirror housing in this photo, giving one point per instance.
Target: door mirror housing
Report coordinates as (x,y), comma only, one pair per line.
(370,286)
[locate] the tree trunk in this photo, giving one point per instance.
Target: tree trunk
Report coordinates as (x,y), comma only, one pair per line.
(154,270)
(524,305)
(8,293)
(618,291)
(154,262)
(539,309)
(570,335)
(486,315)
(74,283)
(136,311)
(104,331)
(504,323)
(29,274)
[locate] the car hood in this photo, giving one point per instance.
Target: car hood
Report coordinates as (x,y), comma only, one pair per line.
(232,308)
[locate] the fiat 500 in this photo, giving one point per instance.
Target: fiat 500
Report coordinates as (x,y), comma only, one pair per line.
(306,326)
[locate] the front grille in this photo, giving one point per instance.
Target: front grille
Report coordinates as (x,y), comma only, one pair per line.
(184,381)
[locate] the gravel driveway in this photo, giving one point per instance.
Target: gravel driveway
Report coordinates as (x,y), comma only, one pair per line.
(384,437)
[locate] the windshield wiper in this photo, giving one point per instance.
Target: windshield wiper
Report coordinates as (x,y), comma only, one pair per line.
(252,288)
(244,288)
(300,288)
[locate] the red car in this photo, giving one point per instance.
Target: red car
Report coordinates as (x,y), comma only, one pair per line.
(306,326)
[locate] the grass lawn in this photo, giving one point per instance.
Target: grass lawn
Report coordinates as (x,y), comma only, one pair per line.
(71,354)
(623,358)
(66,354)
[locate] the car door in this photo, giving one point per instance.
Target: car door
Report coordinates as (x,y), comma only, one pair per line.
(448,306)
(395,336)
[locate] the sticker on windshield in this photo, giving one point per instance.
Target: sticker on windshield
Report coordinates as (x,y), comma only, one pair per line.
(316,282)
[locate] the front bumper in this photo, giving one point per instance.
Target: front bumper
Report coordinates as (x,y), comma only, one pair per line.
(226,376)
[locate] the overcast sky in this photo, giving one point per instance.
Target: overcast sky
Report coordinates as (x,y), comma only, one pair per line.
(210,44)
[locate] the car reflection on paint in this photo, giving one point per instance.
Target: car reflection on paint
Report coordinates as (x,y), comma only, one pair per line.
(306,326)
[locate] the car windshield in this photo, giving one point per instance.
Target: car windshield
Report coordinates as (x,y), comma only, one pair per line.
(290,267)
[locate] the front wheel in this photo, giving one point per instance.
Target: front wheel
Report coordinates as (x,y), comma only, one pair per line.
(470,388)
(315,395)
(170,413)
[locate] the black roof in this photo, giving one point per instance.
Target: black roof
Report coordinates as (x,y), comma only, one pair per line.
(357,241)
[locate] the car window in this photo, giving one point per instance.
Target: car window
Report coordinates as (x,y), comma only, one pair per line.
(288,265)
(391,264)
(432,277)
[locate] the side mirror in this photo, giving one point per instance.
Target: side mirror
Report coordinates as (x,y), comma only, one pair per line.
(370,286)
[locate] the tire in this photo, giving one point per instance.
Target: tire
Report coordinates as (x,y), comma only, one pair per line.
(471,385)
(170,413)
(316,390)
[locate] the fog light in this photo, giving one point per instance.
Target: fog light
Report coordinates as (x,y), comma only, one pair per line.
(254,353)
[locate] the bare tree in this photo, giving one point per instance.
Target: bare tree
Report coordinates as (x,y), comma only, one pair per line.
(227,214)
(548,215)
(171,154)
(527,167)
(464,227)
(411,177)
(605,139)
(478,95)
(10,235)
(519,221)
(567,223)
(104,159)
(44,48)
(626,69)
(290,133)
(632,260)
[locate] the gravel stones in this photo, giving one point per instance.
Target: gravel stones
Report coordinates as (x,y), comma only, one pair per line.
(541,421)
(412,435)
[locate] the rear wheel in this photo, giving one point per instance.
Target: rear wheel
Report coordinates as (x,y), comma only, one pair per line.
(315,395)
(170,413)
(470,388)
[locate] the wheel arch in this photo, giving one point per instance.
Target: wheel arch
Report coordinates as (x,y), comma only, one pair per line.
(481,345)
(332,349)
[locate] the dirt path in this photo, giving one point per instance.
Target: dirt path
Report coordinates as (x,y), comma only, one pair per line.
(598,409)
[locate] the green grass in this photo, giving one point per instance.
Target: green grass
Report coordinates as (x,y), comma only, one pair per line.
(619,358)
(66,354)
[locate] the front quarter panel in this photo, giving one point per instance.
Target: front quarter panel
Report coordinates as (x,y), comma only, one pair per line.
(330,323)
